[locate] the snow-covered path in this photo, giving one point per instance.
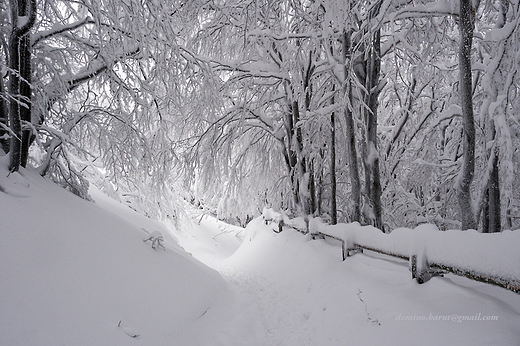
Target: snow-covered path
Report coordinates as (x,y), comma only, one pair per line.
(274,313)
(291,291)
(280,317)
(272,308)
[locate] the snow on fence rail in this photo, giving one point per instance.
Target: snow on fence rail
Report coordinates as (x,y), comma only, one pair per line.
(493,258)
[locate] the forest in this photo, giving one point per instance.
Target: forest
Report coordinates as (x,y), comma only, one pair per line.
(259,172)
(391,113)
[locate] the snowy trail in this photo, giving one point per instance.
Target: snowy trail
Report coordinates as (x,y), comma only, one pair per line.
(290,291)
(278,313)
(274,313)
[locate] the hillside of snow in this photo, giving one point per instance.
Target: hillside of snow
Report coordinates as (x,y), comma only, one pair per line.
(75,274)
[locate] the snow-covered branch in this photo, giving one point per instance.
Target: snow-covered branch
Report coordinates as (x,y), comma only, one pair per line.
(59,29)
(283,36)
(432,9)
(93,69)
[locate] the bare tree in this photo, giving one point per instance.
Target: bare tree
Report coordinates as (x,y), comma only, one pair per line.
(23,17)
(466,25)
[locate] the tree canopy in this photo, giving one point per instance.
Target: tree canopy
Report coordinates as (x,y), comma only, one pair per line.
(385,112)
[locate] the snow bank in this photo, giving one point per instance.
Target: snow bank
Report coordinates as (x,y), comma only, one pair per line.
(493,254)
(75,274)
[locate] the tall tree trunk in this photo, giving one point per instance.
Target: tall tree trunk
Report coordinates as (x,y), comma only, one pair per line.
(374,180)
(319,187)
(300,164)
(4,119)
(25,92)
(290,155)
(307,162)
(302,181)
(333,206)
(15,147)
(355,182)
(295,159)
(19,58)
(312,188)
(468,125)
(491,218)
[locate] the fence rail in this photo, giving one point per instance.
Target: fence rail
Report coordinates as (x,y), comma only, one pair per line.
(422,268)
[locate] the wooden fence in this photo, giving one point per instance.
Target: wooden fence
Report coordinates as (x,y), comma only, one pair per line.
(421,268)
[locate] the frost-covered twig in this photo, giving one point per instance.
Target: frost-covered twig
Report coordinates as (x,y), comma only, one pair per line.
(157,239)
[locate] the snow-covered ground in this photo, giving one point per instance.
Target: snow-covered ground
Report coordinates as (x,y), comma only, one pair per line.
(299,292)
(72,273)
(77,273)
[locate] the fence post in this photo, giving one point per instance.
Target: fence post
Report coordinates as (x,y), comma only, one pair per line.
(420,268)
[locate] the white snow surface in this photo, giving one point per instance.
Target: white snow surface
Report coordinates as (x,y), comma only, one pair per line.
(298,292)
(71,271)
(78,273)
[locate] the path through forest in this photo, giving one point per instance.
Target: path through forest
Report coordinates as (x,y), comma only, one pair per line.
(273,312)
(292,291)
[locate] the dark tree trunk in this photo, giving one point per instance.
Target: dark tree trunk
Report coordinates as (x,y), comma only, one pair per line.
(491,218)
(468,125)
(333,206)
(307,164)
(295,161)
(319,187)
(290,155)
(355,183)
(374,180)
(19,64)
(15,147)
(25,91)
(4,119)
(300,162)
(312,189)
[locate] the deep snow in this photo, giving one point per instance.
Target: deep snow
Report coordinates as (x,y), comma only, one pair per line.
(71,270)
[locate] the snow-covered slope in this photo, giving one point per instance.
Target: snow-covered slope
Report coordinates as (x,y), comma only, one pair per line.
(72,273)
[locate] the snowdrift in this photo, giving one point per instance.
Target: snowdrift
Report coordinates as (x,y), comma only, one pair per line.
(75,274)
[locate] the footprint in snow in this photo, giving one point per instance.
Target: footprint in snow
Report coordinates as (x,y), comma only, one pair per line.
(131,332)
